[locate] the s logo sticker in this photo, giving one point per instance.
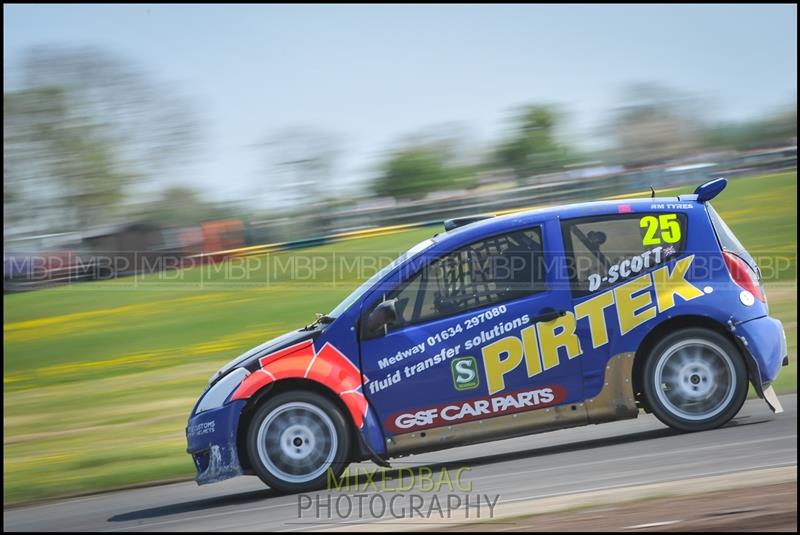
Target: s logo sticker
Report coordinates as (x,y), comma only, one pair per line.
(465,373)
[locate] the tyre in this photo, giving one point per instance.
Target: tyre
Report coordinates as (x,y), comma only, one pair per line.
(295,438)
(695,379)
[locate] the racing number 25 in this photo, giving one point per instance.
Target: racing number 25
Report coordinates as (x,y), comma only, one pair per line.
(664,228)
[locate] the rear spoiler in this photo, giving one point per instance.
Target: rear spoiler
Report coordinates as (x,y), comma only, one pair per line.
(709,190)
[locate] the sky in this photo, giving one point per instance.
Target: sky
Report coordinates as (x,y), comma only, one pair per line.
(372,74)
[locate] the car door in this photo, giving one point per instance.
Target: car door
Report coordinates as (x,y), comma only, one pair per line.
(610,258)
(482,331)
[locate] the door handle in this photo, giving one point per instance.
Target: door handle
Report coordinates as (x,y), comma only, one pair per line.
(549,315)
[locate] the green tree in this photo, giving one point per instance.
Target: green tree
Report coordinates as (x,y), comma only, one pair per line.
(656,123)
(532,148)
(178,206)
(412,172)
(775,130)
(301,165)
(59,167)
(79,127)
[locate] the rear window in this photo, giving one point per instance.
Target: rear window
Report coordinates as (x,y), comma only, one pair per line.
(728,240)
(604,251)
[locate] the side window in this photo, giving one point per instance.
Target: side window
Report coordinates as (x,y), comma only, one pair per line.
(602,251)
(483,273)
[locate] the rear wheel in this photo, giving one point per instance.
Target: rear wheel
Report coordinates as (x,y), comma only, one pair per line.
(295,438)
(695,379)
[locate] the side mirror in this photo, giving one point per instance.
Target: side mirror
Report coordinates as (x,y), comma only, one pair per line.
(381,316)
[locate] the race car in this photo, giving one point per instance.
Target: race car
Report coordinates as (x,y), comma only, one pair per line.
(500,327)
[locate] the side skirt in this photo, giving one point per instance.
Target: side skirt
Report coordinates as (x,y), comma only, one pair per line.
(614,402)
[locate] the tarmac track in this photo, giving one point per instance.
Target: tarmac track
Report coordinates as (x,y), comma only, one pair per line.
(633,452)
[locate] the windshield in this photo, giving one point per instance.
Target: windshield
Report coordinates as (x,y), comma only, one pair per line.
(369,283)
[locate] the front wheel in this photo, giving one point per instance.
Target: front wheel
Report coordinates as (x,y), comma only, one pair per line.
(295,439)
(695,379)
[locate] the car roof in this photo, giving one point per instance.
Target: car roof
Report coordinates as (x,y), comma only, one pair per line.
(517,220)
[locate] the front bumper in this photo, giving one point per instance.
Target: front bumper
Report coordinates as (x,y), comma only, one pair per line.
(765,340)
(211,441)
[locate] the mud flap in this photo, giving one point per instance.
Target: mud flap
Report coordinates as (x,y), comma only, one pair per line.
(223,463)
(772,400)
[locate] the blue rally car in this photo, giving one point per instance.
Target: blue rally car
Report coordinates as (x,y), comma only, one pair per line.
(500,327)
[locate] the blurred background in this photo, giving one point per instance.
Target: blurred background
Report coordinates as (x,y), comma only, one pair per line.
(159,162)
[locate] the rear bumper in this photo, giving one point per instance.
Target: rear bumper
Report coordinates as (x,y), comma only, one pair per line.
(765,340)
(211,441)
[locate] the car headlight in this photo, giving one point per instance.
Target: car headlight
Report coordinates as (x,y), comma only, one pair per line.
(217,394)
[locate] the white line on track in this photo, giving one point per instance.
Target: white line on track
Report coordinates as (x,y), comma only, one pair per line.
(645,482)
(649,470)
(642,456)
(653,524)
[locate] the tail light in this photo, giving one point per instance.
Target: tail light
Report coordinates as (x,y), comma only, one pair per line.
(743,276)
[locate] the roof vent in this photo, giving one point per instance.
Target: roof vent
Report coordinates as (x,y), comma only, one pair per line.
(457,222)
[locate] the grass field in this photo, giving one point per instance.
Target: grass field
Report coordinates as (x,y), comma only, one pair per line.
(99,378)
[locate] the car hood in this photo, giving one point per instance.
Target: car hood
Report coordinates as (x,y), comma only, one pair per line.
(270,346)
